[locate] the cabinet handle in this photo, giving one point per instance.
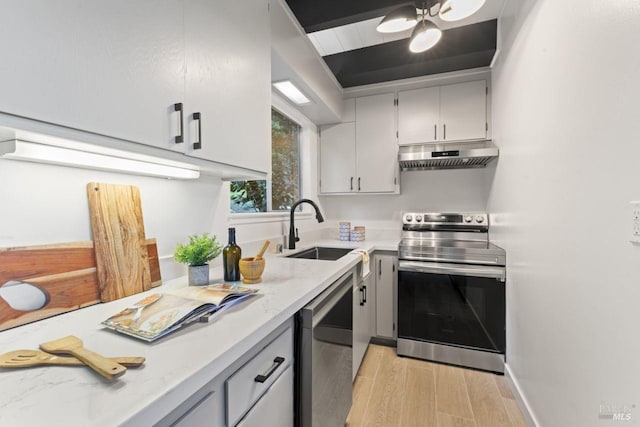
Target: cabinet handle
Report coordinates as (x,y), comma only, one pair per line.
(361,295)
(365,293)
(445,131)
(358,183)
(435,132)
(178,107)
(379,268)
(276,364)
(198,144)
(351,185)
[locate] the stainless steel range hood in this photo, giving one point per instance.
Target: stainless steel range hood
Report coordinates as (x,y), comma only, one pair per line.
(449,155)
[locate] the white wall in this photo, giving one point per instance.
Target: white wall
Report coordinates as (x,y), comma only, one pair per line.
(565,105)
(294,58)
(259,227)
(433,191)
(48,204)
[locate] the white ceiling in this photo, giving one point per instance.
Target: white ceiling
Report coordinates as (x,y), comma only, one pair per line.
(362,34)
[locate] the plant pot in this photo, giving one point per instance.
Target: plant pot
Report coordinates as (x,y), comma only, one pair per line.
(198,275)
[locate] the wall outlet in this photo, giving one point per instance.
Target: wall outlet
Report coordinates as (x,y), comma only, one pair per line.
(635,222)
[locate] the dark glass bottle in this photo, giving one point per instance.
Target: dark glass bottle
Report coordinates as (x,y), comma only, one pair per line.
(231,258)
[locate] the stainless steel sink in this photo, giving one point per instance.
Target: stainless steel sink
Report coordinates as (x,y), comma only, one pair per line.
(321,253)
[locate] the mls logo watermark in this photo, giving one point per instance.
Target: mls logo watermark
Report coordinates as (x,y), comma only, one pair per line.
(616,412)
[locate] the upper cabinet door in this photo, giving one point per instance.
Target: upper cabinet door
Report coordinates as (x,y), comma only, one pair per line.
(114,68)
(418,115)
(376,147)
(337,158)
(463,111)
(228,81)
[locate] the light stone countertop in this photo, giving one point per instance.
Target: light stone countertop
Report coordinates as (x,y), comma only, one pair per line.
(176,366)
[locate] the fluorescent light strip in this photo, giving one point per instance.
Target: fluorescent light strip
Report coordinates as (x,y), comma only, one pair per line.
(288,89)
(40,153)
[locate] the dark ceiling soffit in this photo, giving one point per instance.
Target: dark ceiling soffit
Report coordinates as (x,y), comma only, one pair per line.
(439,66)
(460,48)
(317,15)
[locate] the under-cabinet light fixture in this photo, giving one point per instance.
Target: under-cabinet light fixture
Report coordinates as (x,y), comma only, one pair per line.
(99,158)
(291,91)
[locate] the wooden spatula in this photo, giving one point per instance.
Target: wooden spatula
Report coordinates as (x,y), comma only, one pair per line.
(27,358)
(73,346)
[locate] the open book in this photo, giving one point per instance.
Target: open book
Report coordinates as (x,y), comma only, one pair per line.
(160,314)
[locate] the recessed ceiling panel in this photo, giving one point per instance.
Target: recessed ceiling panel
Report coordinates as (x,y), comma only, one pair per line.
(344,34)
(460,48)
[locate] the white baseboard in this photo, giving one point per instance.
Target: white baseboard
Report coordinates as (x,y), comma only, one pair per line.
(528,414)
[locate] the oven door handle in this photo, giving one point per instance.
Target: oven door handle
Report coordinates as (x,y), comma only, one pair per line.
(498,273)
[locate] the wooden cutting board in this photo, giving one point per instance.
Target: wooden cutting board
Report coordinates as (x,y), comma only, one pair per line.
(122,259)
(66,272)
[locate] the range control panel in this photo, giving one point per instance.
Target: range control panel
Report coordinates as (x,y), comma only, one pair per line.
(472,219)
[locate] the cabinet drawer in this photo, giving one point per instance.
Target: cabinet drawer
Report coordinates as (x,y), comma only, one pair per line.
(201,415)
(276,407)
(244,387)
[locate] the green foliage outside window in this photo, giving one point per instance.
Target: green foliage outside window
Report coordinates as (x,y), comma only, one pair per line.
(285,154)
(251,196)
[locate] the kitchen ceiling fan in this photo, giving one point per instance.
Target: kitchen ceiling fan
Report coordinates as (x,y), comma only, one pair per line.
(426,34)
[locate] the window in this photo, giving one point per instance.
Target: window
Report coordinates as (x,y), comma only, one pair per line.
(284,188)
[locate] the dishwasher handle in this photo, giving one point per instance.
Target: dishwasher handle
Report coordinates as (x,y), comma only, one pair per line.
(497,273)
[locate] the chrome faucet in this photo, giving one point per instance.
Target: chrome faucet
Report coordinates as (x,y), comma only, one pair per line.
(293,231)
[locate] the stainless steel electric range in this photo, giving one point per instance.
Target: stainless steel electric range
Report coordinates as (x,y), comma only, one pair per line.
(451,290)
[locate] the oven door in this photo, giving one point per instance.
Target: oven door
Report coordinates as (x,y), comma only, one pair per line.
(452,305)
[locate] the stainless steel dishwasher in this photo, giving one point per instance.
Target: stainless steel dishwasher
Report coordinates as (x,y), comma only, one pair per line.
(325,357)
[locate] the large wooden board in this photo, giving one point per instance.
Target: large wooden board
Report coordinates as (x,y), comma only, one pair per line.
(65,271)
(122,259)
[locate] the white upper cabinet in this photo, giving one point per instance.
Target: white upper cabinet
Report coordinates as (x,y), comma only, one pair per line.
(418,115)
(376,150)
(118,68)
(463,111)
(454,112)
(228,81)
(337,157)
(361,156)
(114,68)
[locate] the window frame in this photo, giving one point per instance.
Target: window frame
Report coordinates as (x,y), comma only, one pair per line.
(307,188)
(269,180)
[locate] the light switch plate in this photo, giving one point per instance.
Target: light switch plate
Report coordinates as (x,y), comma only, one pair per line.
(635,222)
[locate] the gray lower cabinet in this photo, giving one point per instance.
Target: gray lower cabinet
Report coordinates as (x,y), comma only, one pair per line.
(386,294)
(363,319)
(257,389)
(253,380)
(275,408)
(203,413)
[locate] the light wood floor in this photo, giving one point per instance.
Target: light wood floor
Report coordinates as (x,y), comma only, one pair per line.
(399,391)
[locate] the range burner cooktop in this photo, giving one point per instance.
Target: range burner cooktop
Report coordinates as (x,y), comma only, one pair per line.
(448,237)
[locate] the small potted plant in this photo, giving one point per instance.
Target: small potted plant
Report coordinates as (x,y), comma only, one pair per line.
(196,254)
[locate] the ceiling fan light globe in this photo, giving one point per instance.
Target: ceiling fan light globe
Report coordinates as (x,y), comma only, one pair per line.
(424,37)
(455,10)
(400,19)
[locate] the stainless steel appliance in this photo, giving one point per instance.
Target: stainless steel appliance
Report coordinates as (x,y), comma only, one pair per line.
(451,290)
(447,155)
(325,357)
